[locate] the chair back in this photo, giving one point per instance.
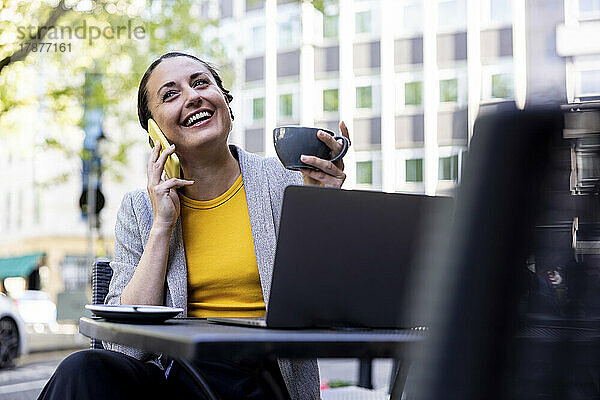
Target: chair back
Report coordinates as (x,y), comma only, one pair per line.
(101,275)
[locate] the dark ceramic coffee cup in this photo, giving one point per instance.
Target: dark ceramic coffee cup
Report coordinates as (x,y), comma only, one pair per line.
(293,141)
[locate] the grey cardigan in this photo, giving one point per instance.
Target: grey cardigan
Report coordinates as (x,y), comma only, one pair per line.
(264,182)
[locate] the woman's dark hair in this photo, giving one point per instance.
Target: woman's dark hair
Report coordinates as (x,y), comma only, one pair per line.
(144,112)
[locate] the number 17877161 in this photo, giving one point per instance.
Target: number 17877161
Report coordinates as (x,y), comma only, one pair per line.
(46,47)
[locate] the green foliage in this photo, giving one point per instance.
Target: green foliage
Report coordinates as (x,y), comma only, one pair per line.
(337,384)
(319,5)
(55,181)
(52,84)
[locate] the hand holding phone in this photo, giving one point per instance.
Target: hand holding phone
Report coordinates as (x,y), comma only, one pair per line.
(172,165)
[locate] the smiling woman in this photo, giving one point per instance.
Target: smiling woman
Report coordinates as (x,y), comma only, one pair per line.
(144,112)
(204,243)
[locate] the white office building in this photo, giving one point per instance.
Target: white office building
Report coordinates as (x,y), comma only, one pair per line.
(407,77)
(576,41)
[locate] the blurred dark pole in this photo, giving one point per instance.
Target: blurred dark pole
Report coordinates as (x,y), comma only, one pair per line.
(92,199)
(475,316)
(365,373)
(33,280)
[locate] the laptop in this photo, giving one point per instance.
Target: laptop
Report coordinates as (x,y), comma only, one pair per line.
(346,258)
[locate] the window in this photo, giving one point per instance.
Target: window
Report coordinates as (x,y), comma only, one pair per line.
(254,140)
(451,47)
(258,108)
(254,4)
(413,93)
(288,63)
(500,11)
(364,97)
(330,100)
(286,105)
(362,22)
(414,170)
(367,55)
(408,51)
(255,68)
(410,130)
(590,83)
(364,172)
(589,8)
(258,39)
(226,8)
(501,86)
(367,133)
(449,91)
(327,59)
(413,18)
(448,168)
(447,14)
(204,10)
(452,14)
(289,33)
(330,26)
(285,34)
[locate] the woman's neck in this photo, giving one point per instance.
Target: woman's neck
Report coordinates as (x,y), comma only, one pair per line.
(213,174)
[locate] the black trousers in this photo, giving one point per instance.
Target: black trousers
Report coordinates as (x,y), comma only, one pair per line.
(103,374)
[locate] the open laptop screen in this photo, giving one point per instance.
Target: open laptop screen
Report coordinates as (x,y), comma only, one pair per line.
(346,258)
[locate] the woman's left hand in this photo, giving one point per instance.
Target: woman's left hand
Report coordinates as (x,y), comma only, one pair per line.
(328,173)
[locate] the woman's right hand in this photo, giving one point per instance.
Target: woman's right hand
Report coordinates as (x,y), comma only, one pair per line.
(163,193)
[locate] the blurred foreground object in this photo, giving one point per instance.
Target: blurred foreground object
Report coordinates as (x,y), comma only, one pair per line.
(517,310)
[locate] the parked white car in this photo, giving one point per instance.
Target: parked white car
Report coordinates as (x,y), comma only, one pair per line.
(36,307)
(13,340)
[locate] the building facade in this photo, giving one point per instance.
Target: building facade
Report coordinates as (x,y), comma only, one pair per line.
(574,42)
(407,77)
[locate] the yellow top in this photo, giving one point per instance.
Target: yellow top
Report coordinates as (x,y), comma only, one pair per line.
(223,278)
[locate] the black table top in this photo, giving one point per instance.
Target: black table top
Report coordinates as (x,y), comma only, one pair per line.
(191,338)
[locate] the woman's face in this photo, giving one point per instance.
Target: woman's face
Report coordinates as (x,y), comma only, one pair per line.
(187,104)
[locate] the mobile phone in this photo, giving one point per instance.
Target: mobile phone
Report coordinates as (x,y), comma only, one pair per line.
(172,165)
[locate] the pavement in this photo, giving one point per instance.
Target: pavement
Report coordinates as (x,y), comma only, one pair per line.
(59,337)
(354,393)
(32,371)
(346,371)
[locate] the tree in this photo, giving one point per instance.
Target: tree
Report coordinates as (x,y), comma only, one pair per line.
(44,62)
(39,34)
